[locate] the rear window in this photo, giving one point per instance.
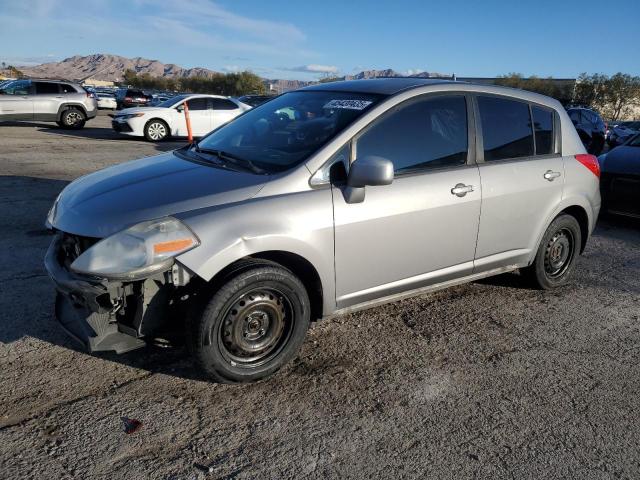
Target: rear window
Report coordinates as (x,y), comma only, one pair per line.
(543,126)
(506,128)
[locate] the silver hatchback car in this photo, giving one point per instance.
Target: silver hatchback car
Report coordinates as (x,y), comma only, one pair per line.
(322,201)
(66,103)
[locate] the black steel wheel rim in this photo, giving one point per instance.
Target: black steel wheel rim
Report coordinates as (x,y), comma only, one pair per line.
(255,327)
(559,253)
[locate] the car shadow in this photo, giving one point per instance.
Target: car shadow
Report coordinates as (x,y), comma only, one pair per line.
(27,294)
(97,133)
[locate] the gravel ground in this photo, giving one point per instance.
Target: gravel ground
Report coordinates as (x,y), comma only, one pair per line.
(487,380)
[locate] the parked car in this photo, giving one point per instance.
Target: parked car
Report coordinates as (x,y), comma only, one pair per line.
(107,101)
(206,112)
(66,103)
(590,127)
(131,97)
(255,100)
(620,182)
(158,99)
(326,200)
(621,132)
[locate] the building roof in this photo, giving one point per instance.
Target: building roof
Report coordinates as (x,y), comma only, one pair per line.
(383,86)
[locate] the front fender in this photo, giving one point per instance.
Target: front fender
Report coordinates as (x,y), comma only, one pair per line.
(300,223)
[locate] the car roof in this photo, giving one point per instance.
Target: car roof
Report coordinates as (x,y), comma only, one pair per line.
(381,86)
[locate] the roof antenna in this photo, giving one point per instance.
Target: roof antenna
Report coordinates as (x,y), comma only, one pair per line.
(454,78)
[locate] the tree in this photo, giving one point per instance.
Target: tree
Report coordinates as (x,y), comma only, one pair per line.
(621,96)
(560,90)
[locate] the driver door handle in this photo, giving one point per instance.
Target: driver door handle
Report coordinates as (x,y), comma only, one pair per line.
(461,189)
(551,175)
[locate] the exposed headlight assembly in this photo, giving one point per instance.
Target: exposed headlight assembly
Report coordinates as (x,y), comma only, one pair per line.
(138,251)
(51,216)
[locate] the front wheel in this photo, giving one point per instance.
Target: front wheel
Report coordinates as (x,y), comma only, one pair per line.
(252,326)
(556,254)
(156,130)
(72,119)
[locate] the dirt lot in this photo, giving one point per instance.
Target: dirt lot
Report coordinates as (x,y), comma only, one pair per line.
(489,380)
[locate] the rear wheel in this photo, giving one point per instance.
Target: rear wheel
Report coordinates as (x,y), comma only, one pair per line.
(72,118)
(252,326)
(156,130)
(556,254)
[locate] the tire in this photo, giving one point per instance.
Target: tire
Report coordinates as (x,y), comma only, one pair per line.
(156,130)
(252,325)
(60,124)
(73,119)
(557,253)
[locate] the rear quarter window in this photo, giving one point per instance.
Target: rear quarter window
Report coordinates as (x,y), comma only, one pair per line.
(543,127)
(65,88)
(506,128)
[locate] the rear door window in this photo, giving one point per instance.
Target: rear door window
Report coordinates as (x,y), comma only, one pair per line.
(425,134)
(506,128)
(543,127)
(44,88)
(222,104)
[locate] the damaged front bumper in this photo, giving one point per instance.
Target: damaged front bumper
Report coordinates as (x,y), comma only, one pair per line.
(106,315)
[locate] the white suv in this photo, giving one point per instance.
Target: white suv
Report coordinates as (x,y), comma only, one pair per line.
(66,103)
(206,113)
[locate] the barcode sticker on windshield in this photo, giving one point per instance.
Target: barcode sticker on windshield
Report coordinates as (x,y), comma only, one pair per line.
(348,104)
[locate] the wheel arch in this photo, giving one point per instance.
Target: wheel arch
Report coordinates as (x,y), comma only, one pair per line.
(65,106)
(578,208)
(580,214)
(296,264)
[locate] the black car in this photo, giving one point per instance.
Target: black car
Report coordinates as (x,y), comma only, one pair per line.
(620,179)
(255,100)
(590,127)
(132,97)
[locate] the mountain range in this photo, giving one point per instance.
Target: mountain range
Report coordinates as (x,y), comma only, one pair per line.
(103,66)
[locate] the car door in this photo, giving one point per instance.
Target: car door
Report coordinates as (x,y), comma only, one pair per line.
(422,228)
(199,116)
(46,100)
(224,110)
(16,101)
(522,178)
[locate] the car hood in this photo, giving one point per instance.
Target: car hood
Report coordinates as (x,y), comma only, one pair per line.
(622,160)
(128,111)
(110,200)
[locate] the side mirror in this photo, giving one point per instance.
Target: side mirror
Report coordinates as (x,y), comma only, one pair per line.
(370,170)
(180,108)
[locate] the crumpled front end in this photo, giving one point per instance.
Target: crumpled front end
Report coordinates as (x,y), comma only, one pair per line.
(105,314)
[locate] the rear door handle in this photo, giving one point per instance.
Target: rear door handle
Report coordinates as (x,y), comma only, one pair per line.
(461,189)
(551,175)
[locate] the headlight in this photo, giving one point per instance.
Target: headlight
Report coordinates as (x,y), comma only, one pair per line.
(138,251)
(130,115)
(51,216)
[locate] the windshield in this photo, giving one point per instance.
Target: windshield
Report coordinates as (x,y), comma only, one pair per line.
(635,141)
(283,132)
(172,101)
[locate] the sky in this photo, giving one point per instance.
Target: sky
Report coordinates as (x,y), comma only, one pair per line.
(308,39)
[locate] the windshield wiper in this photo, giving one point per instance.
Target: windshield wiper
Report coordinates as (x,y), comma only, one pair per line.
(244,163)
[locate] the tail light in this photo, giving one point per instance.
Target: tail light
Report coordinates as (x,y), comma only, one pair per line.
(91,95)
(589,161)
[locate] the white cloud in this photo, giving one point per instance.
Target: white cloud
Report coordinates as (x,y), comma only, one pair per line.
(314,68)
